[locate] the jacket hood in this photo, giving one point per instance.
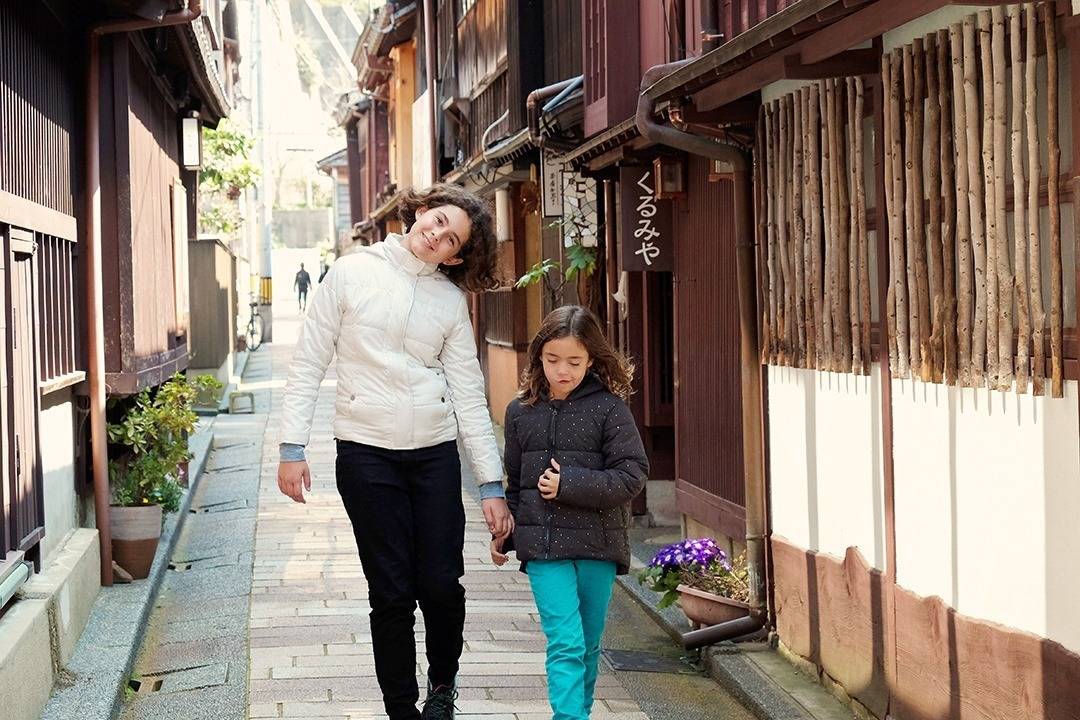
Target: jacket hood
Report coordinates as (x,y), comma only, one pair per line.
(589,385)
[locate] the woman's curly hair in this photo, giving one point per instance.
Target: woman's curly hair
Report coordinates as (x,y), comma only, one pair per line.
(611,366)
(476,272)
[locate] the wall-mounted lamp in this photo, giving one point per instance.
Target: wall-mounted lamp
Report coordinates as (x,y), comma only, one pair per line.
(503,231)
(670,175)
(720,170)
(191,141)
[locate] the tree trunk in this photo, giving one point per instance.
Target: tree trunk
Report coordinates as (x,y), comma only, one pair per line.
(926,364)
(910,163)
(863,242)
(948,192)
(965,300)
(989,198)
(890,210)
(843,203)
(1023,339)
(828,160)
(898,221)
(798,226)
(782,220)
(1004,268)
(761,235)
(937,285)
(808,247)
(774,262)
(817,284)
(1053,157)
(1038,312)
(975,201)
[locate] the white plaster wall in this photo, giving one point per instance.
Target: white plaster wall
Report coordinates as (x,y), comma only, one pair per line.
(988,502)
(57,435)
(825,461)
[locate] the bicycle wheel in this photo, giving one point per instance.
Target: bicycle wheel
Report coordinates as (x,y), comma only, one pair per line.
(254,332)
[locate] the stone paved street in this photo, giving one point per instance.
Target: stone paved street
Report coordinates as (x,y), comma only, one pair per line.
(310,646)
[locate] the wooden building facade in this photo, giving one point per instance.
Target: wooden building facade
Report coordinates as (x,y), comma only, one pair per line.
(149,80)
(909,437)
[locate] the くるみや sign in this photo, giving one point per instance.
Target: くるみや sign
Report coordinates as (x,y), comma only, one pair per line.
(645,233)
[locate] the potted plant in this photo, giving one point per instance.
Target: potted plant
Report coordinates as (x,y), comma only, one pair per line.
(149,451)
(208,391)
(710,588)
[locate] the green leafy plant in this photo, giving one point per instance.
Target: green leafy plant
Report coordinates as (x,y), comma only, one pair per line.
(149,439)
(226,165)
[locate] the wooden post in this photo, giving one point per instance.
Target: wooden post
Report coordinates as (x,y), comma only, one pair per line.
(854,128)
(809,252)
(1046,10)
(863,240)
(890,294)
(761,234)
(926,365)
(1004,266)
(1038,312)
(989,197)
(798,227)
(975,202)
(828,278)
(910,165)
(965,290)
(782,220)
(843,204)
(1023,340)
(770,195)
(948,192)
(816,226)
(937,285)
(898,220)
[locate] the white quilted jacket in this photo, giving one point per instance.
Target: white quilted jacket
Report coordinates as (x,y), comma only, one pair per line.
(407,372)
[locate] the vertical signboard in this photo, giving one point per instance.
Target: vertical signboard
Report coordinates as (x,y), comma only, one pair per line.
(645,230)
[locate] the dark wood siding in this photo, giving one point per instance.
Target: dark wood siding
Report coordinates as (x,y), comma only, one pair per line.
(481,45)
(499,318)
(562,40)
(39,90)
(610,37)
(708,419)
(524,45)
(488,107)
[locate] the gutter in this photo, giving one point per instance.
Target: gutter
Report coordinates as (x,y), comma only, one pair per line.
(94,294)
(750,368)
(536,97)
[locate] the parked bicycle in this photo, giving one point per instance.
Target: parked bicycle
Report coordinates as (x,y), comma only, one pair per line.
(254,334)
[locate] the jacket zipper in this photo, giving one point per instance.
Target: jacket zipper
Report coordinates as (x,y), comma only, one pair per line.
(553,426)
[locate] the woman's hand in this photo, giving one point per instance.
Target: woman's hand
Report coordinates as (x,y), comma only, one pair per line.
(549,482)
(293,478)
(497,555)
(497,515)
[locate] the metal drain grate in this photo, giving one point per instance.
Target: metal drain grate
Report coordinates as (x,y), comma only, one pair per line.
(223,506)
(181,679)
(638,661)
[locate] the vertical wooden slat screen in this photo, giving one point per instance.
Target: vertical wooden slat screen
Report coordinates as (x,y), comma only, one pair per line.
(57,338)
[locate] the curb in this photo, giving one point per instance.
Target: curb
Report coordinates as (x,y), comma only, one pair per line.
(92,684)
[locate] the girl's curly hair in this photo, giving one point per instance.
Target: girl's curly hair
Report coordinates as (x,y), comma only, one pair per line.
(612,367)
(476,272)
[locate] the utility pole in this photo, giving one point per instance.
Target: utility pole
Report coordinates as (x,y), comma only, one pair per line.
(264,195)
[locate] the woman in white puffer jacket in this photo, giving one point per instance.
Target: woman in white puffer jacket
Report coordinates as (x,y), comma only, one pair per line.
(408,384)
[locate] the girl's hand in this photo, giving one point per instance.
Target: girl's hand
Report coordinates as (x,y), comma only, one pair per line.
(549,481)
(497,555)
(293,478)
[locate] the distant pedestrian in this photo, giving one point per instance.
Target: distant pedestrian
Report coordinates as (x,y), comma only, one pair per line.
(301,285)
(408,386)
(574,461)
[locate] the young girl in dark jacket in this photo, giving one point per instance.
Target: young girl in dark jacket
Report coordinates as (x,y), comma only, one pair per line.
(574,461)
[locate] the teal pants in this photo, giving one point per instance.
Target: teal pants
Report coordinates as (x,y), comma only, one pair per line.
(572,596)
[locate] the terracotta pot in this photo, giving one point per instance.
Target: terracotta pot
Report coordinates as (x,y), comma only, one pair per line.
(135,535)
(706,609)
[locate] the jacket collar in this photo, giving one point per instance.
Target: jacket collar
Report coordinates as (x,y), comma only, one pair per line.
(394,247)
(590,384)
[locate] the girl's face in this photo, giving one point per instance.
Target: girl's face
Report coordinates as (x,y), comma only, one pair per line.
(438,234)
(565,362)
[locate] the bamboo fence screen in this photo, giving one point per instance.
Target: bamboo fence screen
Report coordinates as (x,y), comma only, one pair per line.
(965,303)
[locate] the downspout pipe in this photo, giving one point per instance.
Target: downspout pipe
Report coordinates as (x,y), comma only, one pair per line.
(99,455)
(433,101)
(750,370)
(536,99)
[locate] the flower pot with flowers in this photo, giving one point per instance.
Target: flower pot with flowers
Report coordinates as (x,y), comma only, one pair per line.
(709,587)
(148,455)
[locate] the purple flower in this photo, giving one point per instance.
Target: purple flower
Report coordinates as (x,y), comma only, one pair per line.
(694,555)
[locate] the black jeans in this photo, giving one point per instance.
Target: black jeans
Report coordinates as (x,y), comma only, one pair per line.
(409,522)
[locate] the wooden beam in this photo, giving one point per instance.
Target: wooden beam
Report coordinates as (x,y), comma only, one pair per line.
(740,84)
(616,154)
(745,110)
(863,25)
(865,61)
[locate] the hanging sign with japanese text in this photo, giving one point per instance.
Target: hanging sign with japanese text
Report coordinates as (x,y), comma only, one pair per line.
(645,230)
(551,175)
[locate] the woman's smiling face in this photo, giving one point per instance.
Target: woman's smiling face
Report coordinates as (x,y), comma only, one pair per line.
(438,234)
